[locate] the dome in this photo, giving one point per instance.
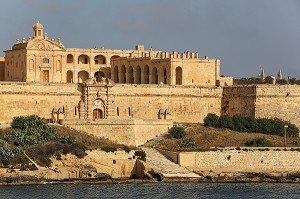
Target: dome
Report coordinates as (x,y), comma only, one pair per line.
(37,26)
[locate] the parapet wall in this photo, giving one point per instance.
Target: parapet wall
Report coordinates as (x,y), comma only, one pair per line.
(242,161)
(188,104)
(278,101)
(130,132)
(263,101)
(37,98)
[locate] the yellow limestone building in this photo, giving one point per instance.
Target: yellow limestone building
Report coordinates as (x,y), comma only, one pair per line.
(126,95)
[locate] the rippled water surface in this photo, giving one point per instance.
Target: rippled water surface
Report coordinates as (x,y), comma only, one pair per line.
(153,190)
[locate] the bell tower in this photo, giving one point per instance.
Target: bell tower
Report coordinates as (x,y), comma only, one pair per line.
(38,30)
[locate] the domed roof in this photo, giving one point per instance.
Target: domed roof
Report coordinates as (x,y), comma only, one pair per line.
(38,25)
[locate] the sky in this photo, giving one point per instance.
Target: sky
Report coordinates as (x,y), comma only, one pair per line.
(243,34)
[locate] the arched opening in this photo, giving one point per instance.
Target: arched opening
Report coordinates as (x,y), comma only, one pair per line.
(98,75)
(83,59)
(116,74)
(130,75)
(113,57)
(82,76)
(70,58)
(98,114)
(100,59)
(69,76)
(154,77)
(146,74)
(179,75)
(123,74)
(138,75)
(165,75)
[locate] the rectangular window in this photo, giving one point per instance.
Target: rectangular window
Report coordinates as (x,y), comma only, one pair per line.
(75,110)
(129,111)
(118,112)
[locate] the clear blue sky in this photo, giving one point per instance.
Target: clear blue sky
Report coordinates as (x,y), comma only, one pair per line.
(242,33)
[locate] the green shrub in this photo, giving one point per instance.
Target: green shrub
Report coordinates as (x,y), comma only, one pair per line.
(126,149)
(249,124)
(141,154)
(226,122)
(211,120)
(258,142)
(109,149)
(187,143)
(176,132)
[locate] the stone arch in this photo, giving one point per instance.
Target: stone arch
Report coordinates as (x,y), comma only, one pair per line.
(70,59)
(115,74)
(99,59)
(137,77)
(123,74)
(31,64)
(98,75)
(165,76)
(154,76)
(82,76)
(83,59)
(69,76)
(113,57)
(130,75)
(98,114)
(146,74)
(179,75)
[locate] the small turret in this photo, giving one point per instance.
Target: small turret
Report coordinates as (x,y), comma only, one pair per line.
(38,30)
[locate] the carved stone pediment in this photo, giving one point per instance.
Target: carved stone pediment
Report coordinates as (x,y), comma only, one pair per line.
(45,44)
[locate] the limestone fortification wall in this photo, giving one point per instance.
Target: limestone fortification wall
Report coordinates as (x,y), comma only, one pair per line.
(278,101)
(263,101)
(130,132)
(243,161)
(37,98)
(185,103)
(239,100)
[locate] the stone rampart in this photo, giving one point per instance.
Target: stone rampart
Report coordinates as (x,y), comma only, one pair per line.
(37,98)
(263,101)
(185,103)
(278,101)
(279,160)
(130,132)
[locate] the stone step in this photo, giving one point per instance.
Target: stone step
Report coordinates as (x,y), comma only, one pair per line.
(166,167)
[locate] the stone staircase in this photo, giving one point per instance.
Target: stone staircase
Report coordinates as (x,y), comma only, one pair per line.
(167,168)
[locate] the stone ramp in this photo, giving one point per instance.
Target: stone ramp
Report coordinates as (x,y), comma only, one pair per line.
(166,167)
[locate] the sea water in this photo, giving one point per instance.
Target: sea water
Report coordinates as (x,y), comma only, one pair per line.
(153,190)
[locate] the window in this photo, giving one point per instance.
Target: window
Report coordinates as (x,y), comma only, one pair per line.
(96,60)
(75,110)
(39,33)
(129,111)
(45,61)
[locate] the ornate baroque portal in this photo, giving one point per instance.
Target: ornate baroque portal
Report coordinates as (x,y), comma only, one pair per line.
(97,99)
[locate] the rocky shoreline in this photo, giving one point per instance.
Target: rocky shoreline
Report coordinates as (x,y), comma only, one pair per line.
(245,177)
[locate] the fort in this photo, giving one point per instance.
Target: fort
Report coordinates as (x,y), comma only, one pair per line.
(129,96)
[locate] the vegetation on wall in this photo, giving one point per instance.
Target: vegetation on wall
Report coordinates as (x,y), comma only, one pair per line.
(33,134)
(248,124)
